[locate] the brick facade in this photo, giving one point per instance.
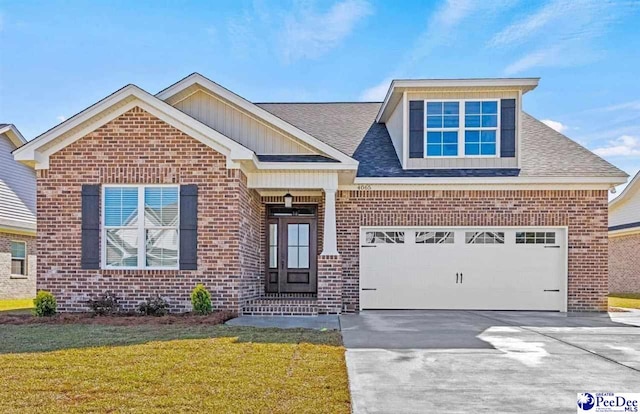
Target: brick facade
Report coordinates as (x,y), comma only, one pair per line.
(139,148)
(17,286)
(583,211)
(624,264)
(330,281)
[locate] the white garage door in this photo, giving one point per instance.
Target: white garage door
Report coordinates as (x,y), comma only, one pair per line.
(463,268)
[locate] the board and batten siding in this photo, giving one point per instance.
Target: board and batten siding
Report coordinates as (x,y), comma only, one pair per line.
(470,162)
(293,179)
(17,189)
(627,212)
(394,127)
(238,125)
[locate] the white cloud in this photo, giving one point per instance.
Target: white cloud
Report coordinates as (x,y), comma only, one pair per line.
(299,31)
(310,34)
(631,105)
(441,26)
(440,30)
(561,33)
(558,126)
(531,60)
(624,146)
(61,118)
(377,92)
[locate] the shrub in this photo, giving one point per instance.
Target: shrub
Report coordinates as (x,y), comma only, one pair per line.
(154,306)
(105,304)
(45,304)
(201,300)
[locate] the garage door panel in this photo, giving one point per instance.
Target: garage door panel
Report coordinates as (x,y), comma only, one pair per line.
(463,268)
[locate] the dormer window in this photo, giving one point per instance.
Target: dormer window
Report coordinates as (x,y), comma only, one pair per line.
(446,136)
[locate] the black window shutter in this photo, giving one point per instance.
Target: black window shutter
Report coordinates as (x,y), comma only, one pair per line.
(189,227)
(416,129)
(90,226)
(507,128)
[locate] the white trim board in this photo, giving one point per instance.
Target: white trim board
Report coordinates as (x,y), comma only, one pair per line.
(606,182)
(398,86)
(13,134)
(627,192)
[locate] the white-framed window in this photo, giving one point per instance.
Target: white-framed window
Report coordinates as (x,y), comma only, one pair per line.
(140,226)
(434,237)
(484,237)
(384,237)
(535,237)
(19,258)
(462,128)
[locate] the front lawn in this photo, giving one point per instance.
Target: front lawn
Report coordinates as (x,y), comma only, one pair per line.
(622,300)
(171,368)
(15,304)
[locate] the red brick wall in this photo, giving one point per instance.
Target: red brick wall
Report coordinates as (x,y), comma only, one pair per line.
(624,264)
(141,149)
(583,211)
(330,282)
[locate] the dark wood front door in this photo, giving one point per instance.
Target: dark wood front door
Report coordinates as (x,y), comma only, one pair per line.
(291,251)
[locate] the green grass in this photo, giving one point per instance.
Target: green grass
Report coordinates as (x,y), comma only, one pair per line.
(624,300)
(15,304)
(97,368)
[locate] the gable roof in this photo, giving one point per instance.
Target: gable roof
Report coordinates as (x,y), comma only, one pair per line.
(629,191)
(239,101)
(399,86)
(39,149)
(14,135)
(352,128)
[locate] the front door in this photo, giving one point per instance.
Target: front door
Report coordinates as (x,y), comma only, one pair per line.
(291,250)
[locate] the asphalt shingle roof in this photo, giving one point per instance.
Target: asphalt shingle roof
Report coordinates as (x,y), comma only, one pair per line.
(351,129)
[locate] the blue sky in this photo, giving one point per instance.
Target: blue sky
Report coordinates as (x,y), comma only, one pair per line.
(57,58)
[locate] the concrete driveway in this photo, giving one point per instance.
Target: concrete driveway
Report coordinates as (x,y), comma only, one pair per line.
(480,361)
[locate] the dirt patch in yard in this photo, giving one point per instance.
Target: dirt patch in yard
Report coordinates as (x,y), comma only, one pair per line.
(214,318)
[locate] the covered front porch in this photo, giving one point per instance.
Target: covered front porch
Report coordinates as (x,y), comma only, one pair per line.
(300,266)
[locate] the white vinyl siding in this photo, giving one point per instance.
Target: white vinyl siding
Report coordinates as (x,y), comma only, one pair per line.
(17,189)
(239,126)
(626,212)
(395,127)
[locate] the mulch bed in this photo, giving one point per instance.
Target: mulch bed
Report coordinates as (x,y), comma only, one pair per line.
(214,318)
(612,309)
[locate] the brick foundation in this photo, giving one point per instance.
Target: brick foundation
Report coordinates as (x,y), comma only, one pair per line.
(583,211)
(624,264)
(17,286)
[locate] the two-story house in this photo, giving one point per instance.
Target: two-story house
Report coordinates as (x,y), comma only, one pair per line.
(17,220)
(444,196)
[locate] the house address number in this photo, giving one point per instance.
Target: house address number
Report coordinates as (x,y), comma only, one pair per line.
(364,187)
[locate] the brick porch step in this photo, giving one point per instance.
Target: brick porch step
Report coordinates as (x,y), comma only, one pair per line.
(281,306)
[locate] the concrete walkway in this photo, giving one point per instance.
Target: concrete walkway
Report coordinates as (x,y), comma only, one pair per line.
(288,322)
(470,361)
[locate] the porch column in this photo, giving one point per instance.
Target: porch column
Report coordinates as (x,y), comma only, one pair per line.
(330,243)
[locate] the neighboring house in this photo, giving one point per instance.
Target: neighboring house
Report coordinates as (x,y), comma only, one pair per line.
(624,240)
(17,220)
(444,196)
